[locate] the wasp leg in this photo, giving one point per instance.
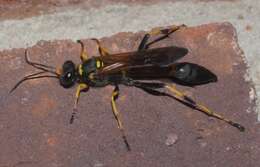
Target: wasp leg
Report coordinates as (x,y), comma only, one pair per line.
(165,32)
(102,51)
(181,96)
(142,45)
(83,53)
(152,85)
(116,113)
(81,87)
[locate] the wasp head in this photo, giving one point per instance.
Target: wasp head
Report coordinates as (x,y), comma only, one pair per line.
(68,75)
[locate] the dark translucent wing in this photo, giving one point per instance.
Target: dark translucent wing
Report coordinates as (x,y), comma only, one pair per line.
(157,63)
(148,72)
(187,74)
(158,56)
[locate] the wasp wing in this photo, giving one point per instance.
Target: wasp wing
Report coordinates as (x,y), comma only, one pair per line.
(156,63)
(183,73)
(156,56)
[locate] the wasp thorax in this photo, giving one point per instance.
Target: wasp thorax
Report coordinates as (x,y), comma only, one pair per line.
(68,76)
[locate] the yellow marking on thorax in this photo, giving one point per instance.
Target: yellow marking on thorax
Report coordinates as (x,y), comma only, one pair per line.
(99,64)
(80,70)
(91,76)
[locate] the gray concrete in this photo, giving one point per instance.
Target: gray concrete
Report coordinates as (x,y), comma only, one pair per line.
(79,24)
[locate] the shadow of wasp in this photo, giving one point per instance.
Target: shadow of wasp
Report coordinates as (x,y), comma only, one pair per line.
(132,69)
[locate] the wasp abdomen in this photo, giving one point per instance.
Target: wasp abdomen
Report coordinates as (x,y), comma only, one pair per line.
(191,74)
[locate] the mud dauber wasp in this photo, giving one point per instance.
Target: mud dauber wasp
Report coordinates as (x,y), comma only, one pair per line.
(138,69)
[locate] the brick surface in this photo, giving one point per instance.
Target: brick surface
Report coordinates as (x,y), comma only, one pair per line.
(34,120)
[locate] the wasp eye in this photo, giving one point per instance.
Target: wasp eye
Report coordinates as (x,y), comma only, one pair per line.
(68,76)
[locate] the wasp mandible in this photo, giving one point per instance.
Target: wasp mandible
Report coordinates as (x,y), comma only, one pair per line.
(142,69)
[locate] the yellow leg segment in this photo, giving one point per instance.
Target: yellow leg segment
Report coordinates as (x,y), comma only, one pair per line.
(102,51)
(80,88)
(157,31)
(181,96)
(169,30)
(116,113)
(83,53)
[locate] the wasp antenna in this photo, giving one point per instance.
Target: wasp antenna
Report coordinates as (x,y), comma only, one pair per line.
(28,76)
(31,77)
(40,66)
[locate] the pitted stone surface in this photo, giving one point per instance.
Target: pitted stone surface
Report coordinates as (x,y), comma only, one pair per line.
(34,120)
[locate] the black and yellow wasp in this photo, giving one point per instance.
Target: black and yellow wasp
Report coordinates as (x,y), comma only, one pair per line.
(139,69)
